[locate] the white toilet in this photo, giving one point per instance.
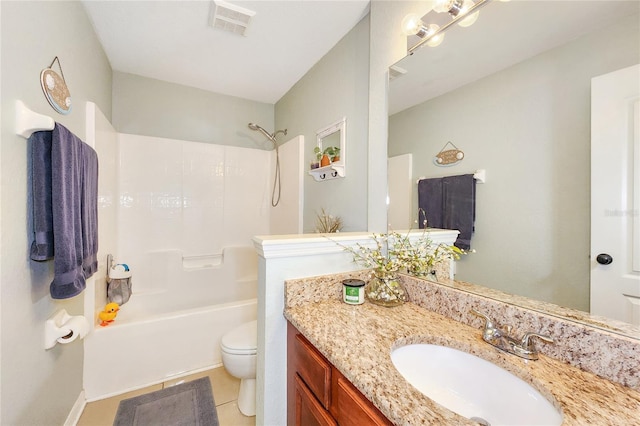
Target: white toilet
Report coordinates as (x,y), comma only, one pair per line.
(239,348)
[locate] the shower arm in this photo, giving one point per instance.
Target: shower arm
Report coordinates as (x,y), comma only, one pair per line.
(284,132)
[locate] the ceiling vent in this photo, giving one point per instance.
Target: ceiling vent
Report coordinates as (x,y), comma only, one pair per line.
(229,17)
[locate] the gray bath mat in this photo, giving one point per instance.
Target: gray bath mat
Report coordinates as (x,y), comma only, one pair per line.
(186,404)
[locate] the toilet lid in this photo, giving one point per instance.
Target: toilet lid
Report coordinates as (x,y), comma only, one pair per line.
(242,339)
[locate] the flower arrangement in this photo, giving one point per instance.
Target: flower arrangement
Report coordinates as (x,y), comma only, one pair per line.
(375,257)
(420,257)
(398,253)
(393,253)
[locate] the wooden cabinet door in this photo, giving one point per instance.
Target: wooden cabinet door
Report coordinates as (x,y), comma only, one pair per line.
(314,369)
(353,408)
(308,411)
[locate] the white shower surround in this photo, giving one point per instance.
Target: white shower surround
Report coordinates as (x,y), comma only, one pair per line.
(184,214)
(187,199)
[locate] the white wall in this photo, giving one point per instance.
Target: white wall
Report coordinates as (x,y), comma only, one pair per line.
(529,127)
(38,386)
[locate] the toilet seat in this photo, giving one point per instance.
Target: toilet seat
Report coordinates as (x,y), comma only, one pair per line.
(242,340)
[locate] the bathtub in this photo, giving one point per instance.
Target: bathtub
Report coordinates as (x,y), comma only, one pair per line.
(162,333)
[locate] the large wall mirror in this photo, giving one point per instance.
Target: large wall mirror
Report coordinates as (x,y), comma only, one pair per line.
(513,92)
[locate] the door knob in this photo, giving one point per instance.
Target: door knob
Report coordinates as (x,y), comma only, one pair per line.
(604,259)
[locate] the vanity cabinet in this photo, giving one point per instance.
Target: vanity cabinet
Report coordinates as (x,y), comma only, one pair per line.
(318,394)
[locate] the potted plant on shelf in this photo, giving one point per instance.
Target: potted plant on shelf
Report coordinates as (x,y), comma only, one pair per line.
(318,152)
(328,156)
(333,152)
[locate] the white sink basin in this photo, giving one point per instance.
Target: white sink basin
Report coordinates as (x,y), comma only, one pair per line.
(472,387)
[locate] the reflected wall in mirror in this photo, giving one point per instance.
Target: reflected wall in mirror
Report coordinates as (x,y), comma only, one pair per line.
(513,92)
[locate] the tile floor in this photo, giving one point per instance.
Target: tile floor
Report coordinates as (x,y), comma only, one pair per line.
(225,393)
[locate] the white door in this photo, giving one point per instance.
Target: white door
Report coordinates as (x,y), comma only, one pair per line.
(615,195)
(400,192)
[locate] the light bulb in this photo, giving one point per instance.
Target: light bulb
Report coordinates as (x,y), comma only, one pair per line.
(411,24)
(442,6)
(467,21)
(437,39)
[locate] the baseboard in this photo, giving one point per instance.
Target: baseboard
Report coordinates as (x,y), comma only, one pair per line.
(76,411)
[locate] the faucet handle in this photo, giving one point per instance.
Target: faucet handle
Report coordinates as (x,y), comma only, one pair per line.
(491,331)
(527,343)
(488,322)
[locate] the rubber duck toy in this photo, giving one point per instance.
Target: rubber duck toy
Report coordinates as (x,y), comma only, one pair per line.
(108,314)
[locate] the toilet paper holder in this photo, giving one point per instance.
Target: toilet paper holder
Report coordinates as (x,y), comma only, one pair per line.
(64,328)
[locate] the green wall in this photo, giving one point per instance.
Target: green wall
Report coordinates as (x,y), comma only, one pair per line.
(336,87)
(38,387)
(145,106)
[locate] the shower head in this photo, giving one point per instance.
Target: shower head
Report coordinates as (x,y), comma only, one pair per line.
(260,129)
(271,137)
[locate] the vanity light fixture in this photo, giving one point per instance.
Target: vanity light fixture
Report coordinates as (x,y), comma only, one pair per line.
(463,13)
(413,25)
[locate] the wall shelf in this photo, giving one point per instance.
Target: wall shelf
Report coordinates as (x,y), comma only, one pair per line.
(332,171)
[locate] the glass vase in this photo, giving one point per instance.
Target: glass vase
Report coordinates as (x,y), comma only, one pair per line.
(385,289)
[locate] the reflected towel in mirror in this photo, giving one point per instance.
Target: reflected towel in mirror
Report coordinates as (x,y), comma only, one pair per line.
(450,203)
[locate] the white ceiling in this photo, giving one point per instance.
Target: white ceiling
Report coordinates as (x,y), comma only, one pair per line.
(171,41)
(505,33)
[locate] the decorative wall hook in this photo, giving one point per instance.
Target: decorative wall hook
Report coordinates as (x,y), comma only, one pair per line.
(448,157)
(55,88)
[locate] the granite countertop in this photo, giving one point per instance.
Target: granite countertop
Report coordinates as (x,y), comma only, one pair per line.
(358,340)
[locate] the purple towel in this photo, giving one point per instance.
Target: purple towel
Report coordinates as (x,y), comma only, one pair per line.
(430,201)
(450,203)
(459,201)
(73,166)
(42,245)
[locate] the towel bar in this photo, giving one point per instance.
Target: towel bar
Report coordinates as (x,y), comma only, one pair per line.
(479,175)
(28,121)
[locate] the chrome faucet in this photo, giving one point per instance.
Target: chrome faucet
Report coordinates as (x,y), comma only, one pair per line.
(501,339)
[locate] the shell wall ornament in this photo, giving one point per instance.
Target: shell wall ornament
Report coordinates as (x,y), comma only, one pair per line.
(55,88)
(448,157)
